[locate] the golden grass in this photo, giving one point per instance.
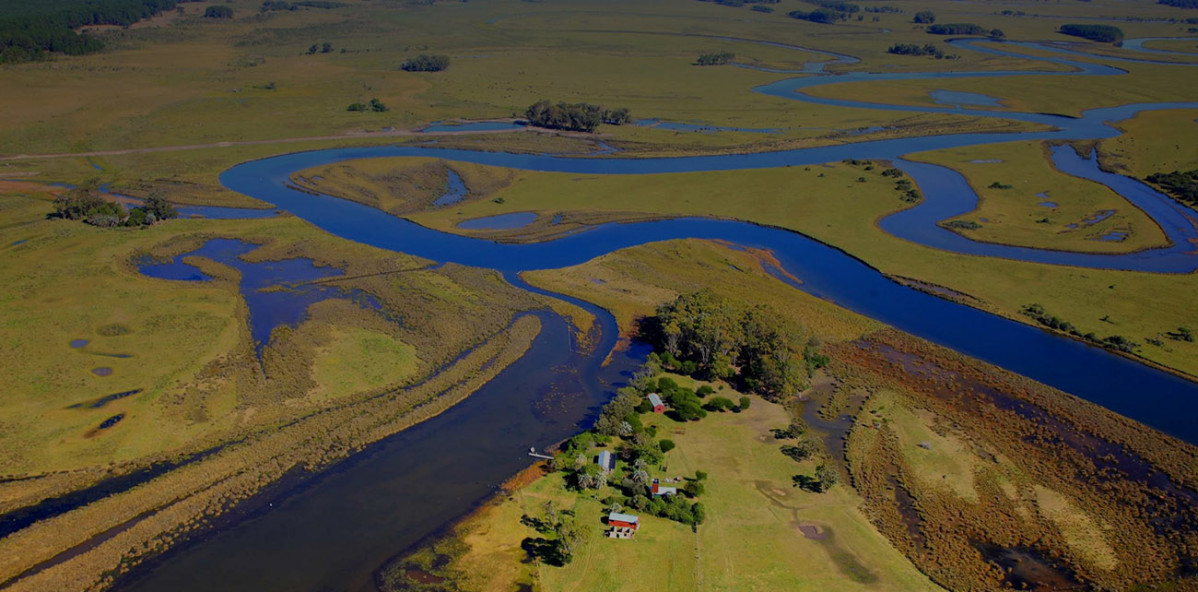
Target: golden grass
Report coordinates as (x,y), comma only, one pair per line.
(947,463)
(1083,534)
(356,359)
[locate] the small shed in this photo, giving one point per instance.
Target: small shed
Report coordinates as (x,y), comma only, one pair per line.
(607,461)
(656,402)
(618,520)
(660,490)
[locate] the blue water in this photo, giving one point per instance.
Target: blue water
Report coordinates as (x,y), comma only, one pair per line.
(1089,372)
(472,126)
(331,535)
(701,127)
(455,191)
(1138,45)
(78,343)
(220,213)
(500,222)
(275,292)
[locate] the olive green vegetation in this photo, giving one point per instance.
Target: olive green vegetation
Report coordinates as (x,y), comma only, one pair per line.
(1013,179)
(830,204)
(631,283)
(188,343)
(751,539)
(1153,142)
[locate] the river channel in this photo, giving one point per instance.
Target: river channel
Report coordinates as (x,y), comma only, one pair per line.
(331,532)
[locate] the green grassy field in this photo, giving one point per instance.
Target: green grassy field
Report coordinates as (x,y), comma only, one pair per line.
(839,210)
(751,540)
(1013,214)
(187,344)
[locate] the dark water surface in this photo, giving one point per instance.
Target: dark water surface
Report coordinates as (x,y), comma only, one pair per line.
(333,531)
(276,292)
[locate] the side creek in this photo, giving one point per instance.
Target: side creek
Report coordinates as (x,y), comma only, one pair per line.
(333,529)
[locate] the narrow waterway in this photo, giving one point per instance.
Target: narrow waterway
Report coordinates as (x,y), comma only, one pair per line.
(330,533)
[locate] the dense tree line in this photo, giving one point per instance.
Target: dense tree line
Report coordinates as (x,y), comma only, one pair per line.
(957,29)
(271,6)
(1183,186)
(820,15)
(914,49)
(739,3)
(836,5)
(925,17)
(1101,33)
(712,337)
(426,63)
(1040,315)
(1179,3)
(715,59)
(30,37)
(579,117)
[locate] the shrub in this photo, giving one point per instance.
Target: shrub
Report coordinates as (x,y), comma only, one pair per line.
(666,445)
(426,63)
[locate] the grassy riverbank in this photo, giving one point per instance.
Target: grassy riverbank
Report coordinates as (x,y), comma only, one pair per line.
(956,463)
(181,377)
(832,204)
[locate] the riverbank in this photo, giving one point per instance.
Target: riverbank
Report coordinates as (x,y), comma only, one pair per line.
(924,434)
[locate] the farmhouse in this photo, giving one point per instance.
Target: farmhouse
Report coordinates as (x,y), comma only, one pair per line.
(607,461)
(656,402)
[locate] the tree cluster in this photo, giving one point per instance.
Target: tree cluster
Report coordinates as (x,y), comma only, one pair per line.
(819,15)
(561,536)
(712,337)
(87,204)
(715,59)
(1040,315)
(315,48)
(913,49)
(218,12)
(1100,33)
(1182,186)
(1179,3)
(273,5)
(375,105)
(29,37)
(739,3)
(836,5)
(925,17)
(636,449)
(425,63)
(578,117)
(824,478)
(956,29)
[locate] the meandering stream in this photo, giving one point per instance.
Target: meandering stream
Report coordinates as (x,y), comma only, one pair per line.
(330,534)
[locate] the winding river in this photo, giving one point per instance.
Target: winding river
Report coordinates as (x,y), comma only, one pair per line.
(331,533)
